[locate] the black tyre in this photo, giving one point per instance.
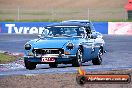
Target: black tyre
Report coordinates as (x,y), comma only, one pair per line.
(78,60)
(53,65)
(29,65)
(98,60)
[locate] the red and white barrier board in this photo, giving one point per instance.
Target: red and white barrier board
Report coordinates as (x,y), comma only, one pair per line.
(123,28)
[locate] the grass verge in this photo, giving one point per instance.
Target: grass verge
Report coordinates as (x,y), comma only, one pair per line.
(5,58)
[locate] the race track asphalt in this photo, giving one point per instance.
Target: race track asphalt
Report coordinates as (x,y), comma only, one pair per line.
(118,56)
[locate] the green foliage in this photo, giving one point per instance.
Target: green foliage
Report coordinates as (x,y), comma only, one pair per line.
(5,58)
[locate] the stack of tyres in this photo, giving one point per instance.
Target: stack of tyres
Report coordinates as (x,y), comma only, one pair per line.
(130,15)
(128,8)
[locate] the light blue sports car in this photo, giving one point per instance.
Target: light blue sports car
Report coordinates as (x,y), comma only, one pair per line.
(64,42)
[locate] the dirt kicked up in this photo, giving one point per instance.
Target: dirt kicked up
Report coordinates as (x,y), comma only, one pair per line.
(58,81)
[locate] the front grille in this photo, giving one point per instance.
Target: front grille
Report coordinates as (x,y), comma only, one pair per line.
(48,51)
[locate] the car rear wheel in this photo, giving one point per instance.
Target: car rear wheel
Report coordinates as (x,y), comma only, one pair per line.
(98,60)
(29,65)
(78,60)
(53,65)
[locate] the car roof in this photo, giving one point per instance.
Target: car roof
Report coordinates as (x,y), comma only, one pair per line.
(85,22)
(67,24)
(77,21)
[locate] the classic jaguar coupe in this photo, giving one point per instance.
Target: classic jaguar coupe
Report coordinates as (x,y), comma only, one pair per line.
(64,43)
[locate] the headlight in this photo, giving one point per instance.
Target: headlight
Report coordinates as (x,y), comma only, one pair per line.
(70,46)
(27,47)
(30,54)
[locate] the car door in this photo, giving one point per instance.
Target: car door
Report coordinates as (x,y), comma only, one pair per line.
(88,47)
(93,48)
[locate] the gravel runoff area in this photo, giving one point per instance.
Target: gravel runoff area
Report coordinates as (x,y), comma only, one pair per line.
(58,81)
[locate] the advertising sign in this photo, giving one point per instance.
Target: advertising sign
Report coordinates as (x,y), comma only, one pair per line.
(38,27)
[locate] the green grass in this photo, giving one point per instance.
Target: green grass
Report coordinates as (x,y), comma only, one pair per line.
(5,58)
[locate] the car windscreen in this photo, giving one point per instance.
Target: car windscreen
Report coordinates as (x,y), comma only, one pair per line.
(65,31)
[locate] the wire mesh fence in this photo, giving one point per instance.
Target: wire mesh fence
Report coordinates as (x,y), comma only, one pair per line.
(63,14)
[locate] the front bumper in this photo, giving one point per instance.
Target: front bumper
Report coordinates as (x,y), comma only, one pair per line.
(58,59)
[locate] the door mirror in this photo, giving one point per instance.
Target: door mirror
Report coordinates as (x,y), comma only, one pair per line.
(45,32)
(93,36)
(99,36)
(40,36)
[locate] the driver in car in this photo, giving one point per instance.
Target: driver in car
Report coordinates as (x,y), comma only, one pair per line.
(88,30)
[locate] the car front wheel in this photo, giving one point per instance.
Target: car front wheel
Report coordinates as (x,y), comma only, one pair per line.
(29,65)
(98,60)
(78,60)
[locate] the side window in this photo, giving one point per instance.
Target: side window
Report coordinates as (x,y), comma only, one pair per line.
(80,32)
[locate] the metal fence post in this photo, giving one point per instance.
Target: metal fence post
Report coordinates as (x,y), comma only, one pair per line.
(52,14)
(126,15)
(88,14)
(18,14)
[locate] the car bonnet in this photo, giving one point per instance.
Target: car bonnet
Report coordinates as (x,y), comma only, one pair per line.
(51,43)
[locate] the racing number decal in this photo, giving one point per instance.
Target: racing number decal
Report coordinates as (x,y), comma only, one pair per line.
(47,59)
